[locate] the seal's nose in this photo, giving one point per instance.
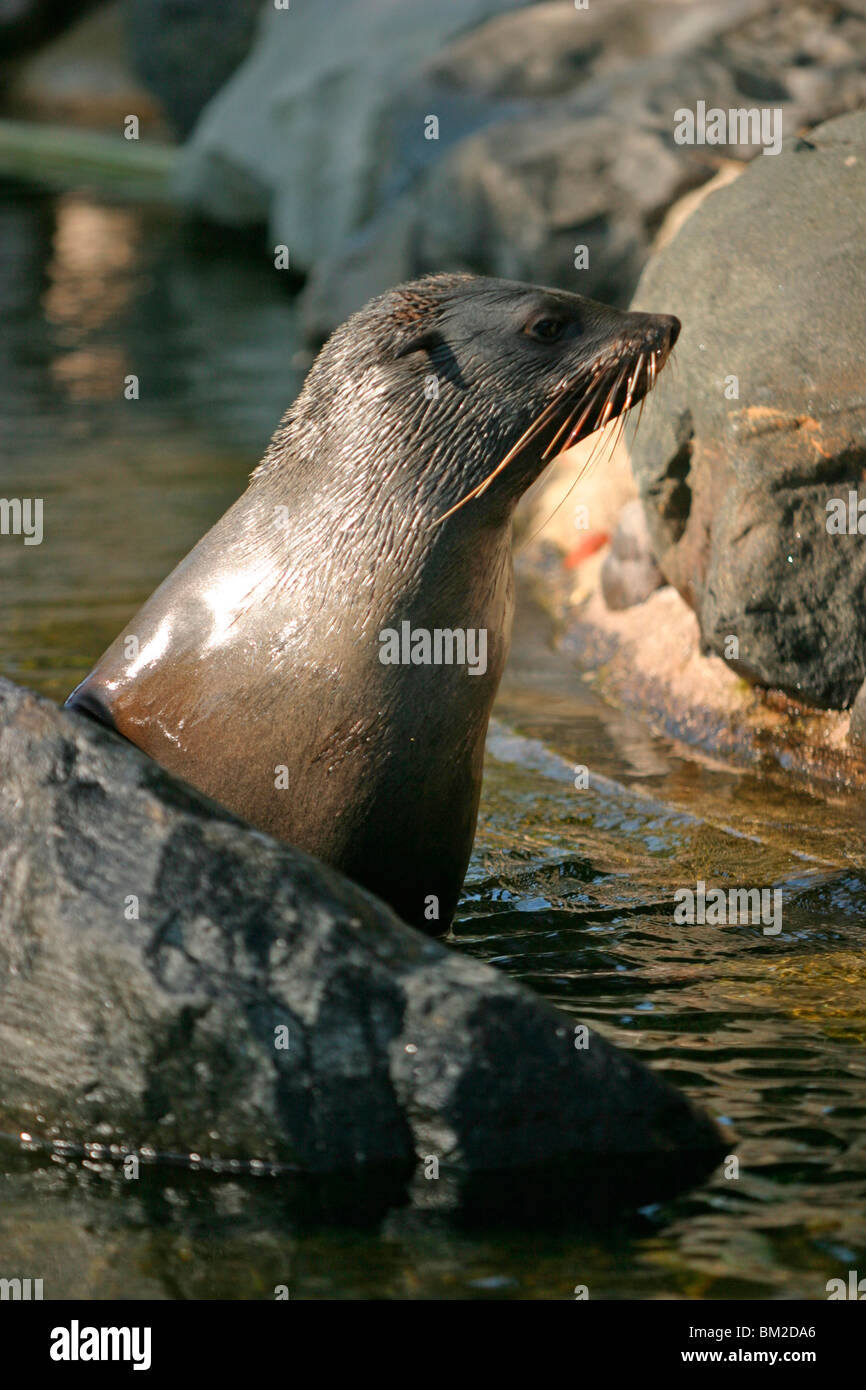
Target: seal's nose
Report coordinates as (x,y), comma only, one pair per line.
(672,326)
(662,331)
(654,332)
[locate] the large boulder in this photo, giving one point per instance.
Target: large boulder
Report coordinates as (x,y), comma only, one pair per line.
(746,450)
(291,137)
(155,953)
(554,128)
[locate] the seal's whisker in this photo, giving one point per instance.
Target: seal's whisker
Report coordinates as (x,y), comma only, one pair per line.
(588,392)
(610,438)
(613,438)
(561,503)
(526,438)
(639,414)
(611,398)
(533,430)
(617,436)
(564,428)
(528,435)
(599,446)
(578,389)
(585,415)
(581,389)
(632,384)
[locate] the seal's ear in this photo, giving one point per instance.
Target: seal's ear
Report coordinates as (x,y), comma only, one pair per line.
(417,338)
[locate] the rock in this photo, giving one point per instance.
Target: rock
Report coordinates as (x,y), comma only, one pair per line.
(294,128)
(629,573)
(515,201)
(769,279)
(682,210)
(857,727)
(649,661)
(186,50)
(151,947)
(81,77)
(556,131)
(27,24)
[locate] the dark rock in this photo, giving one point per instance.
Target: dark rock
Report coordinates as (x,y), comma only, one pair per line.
(159,1029)
(769,279)
(81,78)
(629,573)
(27,24)
(186,50)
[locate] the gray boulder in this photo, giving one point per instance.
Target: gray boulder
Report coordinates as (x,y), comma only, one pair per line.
(152,947)
(515,201)
(762,428)
(556,131)
(290,138)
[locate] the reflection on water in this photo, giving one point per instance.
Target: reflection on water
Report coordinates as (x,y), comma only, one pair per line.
(91,280)
(130,473)
(570,891)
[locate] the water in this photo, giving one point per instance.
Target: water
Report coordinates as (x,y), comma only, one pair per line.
(570,891)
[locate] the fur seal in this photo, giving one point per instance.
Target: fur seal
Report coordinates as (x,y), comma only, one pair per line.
(287,667)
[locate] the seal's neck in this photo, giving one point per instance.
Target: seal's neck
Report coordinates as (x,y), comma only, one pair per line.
(381,516)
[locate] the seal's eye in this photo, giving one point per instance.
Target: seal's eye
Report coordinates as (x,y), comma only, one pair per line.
(545,330)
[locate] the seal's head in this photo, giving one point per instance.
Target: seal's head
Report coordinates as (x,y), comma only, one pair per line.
(488,378)
(285,666)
